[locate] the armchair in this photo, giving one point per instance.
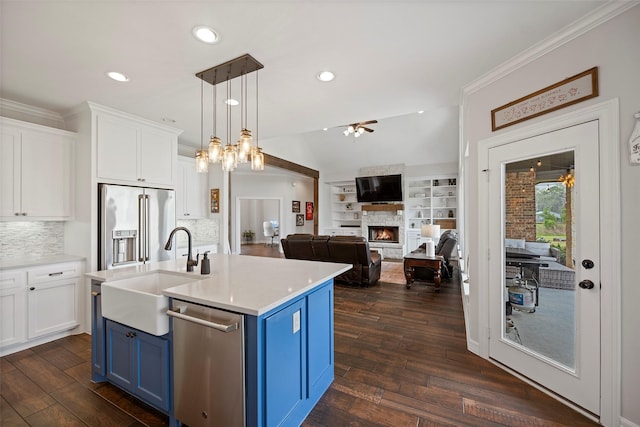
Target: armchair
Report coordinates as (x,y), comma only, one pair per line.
(445,248)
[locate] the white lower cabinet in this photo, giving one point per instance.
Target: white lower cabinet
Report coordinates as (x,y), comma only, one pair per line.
(343,231)
(52,307)
(13,303)
(38,301)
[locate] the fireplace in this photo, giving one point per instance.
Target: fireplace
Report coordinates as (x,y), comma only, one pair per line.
(384,234)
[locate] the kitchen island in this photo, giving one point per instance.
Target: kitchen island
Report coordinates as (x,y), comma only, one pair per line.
(286,312)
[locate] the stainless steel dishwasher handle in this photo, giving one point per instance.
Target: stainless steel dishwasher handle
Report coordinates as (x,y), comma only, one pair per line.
(217,326)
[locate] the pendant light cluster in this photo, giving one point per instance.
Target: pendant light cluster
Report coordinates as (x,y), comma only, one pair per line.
(568,179)
(245,150)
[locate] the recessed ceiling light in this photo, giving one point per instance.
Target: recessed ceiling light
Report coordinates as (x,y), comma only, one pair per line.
(325,129)
(119,77)
(421,111)
(231,101)
(206,34)
(325,76)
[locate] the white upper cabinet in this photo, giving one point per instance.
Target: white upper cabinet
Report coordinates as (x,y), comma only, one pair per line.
(36,176)
(117,148)
(191,190)
(134,151)
(158,154)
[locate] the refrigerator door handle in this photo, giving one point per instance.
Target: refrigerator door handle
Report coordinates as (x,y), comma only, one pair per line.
(141,228)
(147,220)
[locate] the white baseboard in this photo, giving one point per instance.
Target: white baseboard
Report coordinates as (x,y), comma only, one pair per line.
(626,423)
(39,341)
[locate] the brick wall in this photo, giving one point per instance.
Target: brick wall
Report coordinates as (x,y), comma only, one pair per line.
(520,209)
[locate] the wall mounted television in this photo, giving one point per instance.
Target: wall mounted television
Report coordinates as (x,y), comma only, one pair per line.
(379,189)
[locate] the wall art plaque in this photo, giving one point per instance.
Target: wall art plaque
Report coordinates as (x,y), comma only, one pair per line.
(570,91)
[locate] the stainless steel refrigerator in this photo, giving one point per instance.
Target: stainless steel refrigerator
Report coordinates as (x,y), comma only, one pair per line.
(135,223)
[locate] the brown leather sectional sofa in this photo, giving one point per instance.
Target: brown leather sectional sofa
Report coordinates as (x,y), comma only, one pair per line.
(346,249)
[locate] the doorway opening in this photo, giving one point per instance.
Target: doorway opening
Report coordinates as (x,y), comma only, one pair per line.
(251,214)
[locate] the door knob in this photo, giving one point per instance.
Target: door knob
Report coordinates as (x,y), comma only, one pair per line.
(587,263)
(586,284)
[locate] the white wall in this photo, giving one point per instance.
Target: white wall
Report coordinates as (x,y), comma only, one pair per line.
(613,47)
(265,185)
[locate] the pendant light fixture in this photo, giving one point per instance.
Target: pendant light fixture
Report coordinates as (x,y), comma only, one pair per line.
(215,144)
(568,180)
(229,156)
(202,158)
(257,157)
(244,150)
(245,142)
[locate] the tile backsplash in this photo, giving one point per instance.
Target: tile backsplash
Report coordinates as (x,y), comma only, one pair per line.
(31,238)
(202,230)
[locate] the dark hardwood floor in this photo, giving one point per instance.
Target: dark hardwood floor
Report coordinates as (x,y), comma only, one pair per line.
(400,356)
(260,249)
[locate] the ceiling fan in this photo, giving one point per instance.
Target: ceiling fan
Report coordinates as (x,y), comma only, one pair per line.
(359,128)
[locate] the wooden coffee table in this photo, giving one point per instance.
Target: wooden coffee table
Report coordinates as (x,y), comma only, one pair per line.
(418,259)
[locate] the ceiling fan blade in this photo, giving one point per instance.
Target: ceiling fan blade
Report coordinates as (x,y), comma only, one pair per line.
(367,129)
(368,122)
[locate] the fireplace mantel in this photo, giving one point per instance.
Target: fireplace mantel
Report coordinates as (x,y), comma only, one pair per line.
(383,207)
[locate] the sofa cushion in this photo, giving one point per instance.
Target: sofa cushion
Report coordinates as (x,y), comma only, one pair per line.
(343,250)
(320,248)
(299,246)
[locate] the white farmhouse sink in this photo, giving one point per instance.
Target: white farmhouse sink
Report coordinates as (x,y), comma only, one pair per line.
(138,301)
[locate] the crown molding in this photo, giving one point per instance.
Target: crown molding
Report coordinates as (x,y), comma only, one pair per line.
(8,106)
(588,22)
(186,151)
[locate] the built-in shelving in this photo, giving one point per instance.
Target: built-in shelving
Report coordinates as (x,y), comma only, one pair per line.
(431,201)
(345,209)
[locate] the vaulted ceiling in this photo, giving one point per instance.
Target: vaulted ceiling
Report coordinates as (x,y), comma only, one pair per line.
(391,59)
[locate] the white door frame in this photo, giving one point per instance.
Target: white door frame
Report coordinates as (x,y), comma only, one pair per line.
(607,114)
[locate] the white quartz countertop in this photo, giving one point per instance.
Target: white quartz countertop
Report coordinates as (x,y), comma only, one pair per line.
(34,261)
(240,283)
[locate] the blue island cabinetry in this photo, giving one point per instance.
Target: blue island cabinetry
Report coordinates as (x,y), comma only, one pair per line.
(139,363)
(289,361)
(135,361)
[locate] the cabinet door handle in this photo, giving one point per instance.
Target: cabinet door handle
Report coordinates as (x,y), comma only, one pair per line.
(23,214)
(56,274)
(32,288)
(17,214)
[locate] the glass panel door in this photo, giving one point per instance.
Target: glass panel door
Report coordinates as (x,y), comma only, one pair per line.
(539,271)
(544,281)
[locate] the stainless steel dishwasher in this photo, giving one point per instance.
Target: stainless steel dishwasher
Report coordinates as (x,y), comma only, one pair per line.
(208,365)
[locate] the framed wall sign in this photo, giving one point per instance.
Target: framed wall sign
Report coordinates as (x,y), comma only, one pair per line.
(215,200)
(299,219)
(309,211)
(569,91)
(295,206)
